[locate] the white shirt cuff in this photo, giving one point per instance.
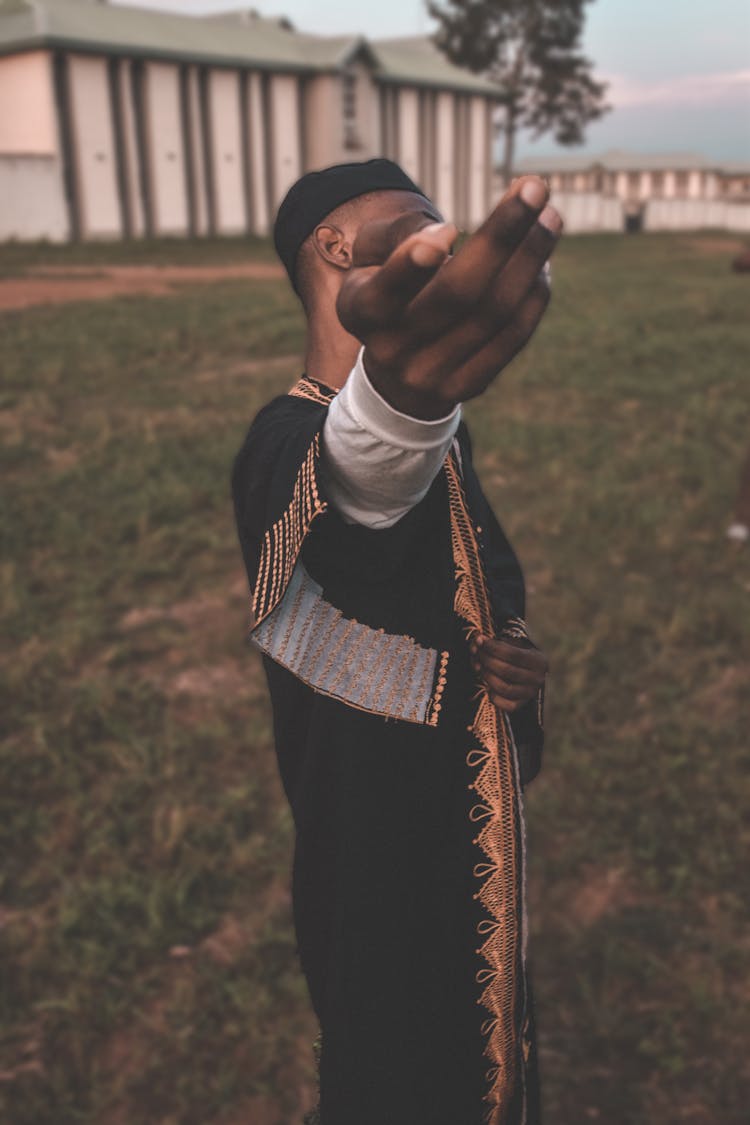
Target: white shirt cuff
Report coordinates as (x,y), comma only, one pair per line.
(389,425)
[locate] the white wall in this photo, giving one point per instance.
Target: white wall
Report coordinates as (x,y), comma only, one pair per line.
(696,214)
(588,211)
(93,142)
(694,185)
(33,200)
(284,123)
(28,123)
(478,155)
(368,114)
(323,122)
(444,120)
(226,150)
(408,131)
(32,192)
(166,148)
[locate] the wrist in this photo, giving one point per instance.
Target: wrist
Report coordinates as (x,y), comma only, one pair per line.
(423,405)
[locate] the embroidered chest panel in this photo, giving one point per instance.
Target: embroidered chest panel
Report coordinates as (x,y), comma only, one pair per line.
(384,673)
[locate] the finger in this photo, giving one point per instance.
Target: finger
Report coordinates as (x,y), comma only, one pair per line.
(504,703)
(470,272)
(377,296)
(512,284)
(497,309)
(506,672)
(473,377)
(517,692)
(508,653)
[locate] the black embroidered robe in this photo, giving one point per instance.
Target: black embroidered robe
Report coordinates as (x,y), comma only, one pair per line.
(404,781)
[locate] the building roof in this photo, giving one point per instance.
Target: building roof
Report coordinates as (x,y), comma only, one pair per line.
(417,61)
(244,39)
(618,160)
(735,169)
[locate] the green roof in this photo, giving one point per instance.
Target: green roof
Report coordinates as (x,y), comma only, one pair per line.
(418,62)
(230,39)
(144,32)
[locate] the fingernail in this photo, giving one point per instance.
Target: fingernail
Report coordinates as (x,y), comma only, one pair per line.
(534,193)
(432,227)
(550,219)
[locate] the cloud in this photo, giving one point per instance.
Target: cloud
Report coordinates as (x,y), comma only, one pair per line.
(686,89)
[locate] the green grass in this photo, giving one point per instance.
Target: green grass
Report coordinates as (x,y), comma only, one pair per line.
(17,258)
(148,973)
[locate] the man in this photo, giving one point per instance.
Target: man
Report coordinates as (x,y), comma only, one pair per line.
(388,604)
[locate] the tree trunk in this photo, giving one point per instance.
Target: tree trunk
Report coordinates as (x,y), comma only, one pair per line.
(509,146)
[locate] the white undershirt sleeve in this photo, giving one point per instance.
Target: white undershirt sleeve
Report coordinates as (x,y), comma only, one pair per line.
(377,462)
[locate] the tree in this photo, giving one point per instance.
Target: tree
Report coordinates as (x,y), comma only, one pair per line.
(531,50)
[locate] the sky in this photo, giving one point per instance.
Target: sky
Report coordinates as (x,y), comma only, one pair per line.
(678,70)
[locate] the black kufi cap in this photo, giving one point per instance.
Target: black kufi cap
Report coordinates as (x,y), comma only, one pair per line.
(316,194)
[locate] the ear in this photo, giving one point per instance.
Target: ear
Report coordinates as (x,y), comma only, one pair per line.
(333,246)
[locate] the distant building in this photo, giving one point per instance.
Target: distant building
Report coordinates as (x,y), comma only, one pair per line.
(629,190)
(123,122)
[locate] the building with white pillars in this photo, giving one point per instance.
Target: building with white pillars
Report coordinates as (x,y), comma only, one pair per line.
(119,122)
(630,190)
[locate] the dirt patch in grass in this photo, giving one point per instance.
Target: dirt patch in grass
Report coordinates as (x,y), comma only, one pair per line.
(56,286)
(727,694)
(194,611)
(714,246)
(216,619)
(228,680)
(601,892)
(262,366)
(235,936)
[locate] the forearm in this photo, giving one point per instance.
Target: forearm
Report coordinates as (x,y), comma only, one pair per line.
(379,462)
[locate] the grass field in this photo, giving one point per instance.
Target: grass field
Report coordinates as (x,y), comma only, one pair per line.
(148,965)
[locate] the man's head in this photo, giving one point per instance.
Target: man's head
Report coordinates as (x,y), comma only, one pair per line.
(323,213)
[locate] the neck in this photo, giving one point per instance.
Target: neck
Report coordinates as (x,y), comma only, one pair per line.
(330,352)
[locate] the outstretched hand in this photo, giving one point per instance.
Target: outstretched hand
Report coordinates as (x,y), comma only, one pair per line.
(437,327)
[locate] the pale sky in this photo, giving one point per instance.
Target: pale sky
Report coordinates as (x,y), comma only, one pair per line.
(679,70)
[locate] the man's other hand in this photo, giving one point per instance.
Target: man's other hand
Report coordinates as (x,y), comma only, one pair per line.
(437,327)
(511,674)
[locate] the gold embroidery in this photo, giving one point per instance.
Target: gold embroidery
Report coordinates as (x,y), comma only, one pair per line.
(515,629)
(282,542)
(433,711)
(391,679)
(343,638)
(312,390)
(296,606)
(498,812)
(374,670)
(303,640)
(311,657)
(340,657)
(352,658)
(409,669)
